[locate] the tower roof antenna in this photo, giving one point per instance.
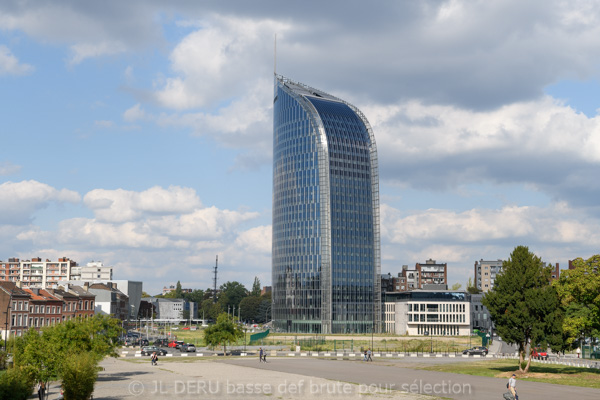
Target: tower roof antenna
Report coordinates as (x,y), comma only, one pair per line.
(275,56)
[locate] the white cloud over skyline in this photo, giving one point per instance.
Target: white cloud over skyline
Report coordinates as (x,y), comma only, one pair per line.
(475,156)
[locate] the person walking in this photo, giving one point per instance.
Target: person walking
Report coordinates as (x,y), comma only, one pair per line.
(365,359)
(41,389)
(153,359)
(260,355)
(369,355)
(512,386)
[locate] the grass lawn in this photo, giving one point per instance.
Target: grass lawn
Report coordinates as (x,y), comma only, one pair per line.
(547,373)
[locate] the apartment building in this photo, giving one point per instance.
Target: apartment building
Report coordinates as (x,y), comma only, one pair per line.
(36,273)
(429,275)
(94,270)
(485,274)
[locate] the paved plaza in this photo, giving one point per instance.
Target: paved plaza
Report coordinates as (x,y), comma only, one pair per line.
(298,378)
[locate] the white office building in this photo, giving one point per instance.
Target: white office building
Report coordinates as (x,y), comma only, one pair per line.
(427,312)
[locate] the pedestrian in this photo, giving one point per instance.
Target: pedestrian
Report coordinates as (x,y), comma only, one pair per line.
(578,352)
(369,355)
(265,356)
(154,359)
(41,389)
(512,386)
(365,359)
(260,355)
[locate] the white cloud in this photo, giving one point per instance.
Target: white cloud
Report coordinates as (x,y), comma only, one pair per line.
(123,205)
(104,124)
(134,113)
(88,30)
(19,200)
(218,61)
(255,240)
(10,65)
(8,168)
(82,51)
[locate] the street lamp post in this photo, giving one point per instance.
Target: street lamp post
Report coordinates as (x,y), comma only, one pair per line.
(8,308)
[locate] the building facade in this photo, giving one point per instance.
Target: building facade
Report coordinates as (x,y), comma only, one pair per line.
(171,310)
(92,271)
(326,246)
(480,316)
(45,309)
(427,312)
(485,274)
(432,273)
(36,273)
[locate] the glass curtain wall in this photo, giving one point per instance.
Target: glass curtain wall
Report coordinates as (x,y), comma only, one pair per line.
(325,215)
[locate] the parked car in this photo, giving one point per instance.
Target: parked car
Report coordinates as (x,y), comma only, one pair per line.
(144,342)
(148,350)
(176,344)
(478,350)
(188,348)
(161,342)
(539,354)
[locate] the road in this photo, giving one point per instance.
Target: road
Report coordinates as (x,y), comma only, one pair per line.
(398,375)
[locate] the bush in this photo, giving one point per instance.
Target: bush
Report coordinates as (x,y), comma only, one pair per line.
(79,374)
(15,384)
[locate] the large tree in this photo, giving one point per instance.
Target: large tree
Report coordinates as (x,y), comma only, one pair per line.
(579,293)
(523,305)
(223,332)
(255,287)
(46,354)
(235,292)
(249,308)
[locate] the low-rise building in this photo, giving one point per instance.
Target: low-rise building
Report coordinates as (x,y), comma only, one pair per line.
(45,309)
(93,270)
(427,312)
(14,302)
(172,310)
(480,316)
(110,300)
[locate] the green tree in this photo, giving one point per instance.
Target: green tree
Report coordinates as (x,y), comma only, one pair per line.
(523,305)
(178,291)
(79,374)
(197,296)
(579,293)
(471,288)
(223,332)
(210,310)
(264,310)
(249,308)
(44,354)
(234,291)
(456,286)
(255,287)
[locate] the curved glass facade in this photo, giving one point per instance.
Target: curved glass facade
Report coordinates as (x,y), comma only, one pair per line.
(326,254)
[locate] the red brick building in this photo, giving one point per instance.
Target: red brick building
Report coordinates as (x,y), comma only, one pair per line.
(44,308)
(14,305)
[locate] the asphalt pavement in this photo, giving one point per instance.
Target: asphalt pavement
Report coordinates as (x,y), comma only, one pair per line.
(398,375)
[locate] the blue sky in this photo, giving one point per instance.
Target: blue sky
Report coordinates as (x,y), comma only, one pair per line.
(139,134)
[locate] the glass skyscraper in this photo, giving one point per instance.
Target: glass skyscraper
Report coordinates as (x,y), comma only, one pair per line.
(326,247)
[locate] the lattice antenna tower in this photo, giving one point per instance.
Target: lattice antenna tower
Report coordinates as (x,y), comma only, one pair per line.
(215,281)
